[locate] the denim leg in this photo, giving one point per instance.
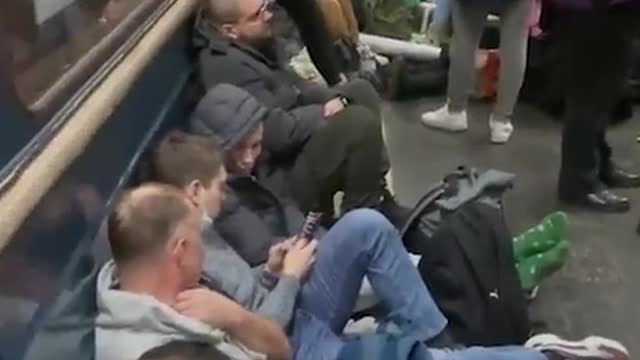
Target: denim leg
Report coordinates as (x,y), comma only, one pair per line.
(490,353)
(363,243)
(312,338)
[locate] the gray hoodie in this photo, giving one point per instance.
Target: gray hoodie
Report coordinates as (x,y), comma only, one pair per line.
(255,289)
(128,325)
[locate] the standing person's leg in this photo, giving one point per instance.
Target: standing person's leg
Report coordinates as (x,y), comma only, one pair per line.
(578,173)
(604,156)
(363,244)
(625,26)
(514,36)
(469,19)
(610,174)
(350,19)
(594,80)
(313,29)
(360,12)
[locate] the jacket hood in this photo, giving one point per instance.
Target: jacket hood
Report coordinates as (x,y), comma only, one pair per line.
(130,324)
(228,113)
(203,32)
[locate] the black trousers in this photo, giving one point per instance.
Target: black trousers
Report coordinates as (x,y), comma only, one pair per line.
(595,49)
(313,30)
(347,154)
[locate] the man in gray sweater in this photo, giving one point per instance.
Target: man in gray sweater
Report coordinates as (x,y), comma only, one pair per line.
(315,317)
(150,294)
(310,287)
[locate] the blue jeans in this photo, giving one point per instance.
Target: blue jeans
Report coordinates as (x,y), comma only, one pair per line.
(493,353)
(362,243)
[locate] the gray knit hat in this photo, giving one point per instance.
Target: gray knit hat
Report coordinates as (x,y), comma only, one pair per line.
(227,112)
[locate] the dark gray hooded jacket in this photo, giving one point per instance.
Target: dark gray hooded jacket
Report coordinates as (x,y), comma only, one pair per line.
(295,106)
(257,212)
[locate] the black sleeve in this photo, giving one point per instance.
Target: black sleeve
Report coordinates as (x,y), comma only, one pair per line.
(286,131)
(245,231)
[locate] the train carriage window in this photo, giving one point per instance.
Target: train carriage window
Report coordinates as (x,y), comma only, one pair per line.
(56,45)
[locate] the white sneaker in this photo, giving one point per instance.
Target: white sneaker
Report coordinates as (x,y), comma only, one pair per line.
(591,348)
(500,130)
(443,119)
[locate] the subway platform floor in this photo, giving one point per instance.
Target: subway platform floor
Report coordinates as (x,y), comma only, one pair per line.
(595,293)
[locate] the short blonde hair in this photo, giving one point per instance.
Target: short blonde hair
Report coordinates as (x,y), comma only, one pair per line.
(181,158)
(144,220)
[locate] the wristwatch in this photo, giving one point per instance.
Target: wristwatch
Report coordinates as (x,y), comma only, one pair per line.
(343,100)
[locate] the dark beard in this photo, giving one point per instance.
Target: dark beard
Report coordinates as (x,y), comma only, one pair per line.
(268,48)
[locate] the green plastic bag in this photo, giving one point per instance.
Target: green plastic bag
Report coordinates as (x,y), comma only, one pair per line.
(411,3)
(390,18)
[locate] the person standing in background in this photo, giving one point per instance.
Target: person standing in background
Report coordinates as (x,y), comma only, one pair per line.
(595,43)
(469,18)
(315,35)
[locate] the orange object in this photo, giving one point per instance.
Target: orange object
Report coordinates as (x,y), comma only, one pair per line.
(487,74)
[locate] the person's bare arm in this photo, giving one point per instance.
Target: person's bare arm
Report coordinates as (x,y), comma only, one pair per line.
(260,334)
(255,332)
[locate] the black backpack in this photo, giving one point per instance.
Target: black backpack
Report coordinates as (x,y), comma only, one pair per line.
(467,258)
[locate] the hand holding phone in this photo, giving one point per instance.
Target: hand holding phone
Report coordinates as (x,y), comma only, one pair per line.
(300,258)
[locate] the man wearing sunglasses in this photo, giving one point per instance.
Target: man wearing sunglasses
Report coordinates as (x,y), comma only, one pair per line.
(337,130)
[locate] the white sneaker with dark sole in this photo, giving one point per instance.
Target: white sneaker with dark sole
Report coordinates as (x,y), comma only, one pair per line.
(500,130)
(590,348)
(445,120)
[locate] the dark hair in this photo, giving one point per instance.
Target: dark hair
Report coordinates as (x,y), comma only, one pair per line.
(184,350)
(144,220)
(181,158)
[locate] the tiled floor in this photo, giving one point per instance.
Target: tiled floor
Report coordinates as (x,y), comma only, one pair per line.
(596,291)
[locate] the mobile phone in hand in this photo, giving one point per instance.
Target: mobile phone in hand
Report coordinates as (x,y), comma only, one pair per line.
(310,226)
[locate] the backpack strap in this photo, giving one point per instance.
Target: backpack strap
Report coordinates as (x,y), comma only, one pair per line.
(470,186)
(429,198)
(434,193)
(460,187)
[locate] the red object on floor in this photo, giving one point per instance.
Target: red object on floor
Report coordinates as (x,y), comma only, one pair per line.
(488,69)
